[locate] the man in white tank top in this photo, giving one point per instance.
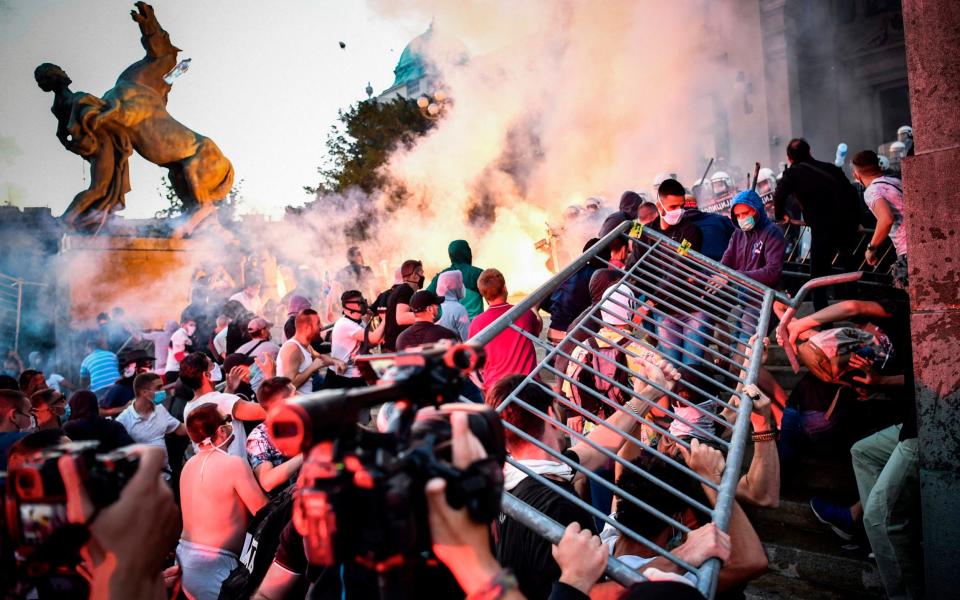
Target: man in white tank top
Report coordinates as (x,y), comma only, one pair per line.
(297,360)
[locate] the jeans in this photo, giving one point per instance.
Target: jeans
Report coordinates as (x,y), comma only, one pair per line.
(888,479)
(800,429)
(693,327)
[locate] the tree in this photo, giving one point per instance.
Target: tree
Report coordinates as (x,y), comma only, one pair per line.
(362,141)
(175,206)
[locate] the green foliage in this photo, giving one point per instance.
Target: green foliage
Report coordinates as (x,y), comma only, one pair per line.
(175,206)
(362,141)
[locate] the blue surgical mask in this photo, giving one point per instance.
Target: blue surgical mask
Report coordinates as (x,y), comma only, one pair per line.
(159,396)
(746,223)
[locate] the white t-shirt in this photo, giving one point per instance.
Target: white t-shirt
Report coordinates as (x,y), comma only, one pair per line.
(252,304)
(53,381)
(609,536)
(149,430)
(220,342)
(891,190)
(344,345)
(178,344)
(225,404)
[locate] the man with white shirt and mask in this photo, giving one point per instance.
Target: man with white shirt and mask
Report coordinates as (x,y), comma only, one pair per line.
(195,374)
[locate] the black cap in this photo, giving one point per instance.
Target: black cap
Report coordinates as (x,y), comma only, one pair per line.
(423,299)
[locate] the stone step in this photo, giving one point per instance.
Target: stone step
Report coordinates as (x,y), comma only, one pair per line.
(818,559)
(774,586)
(790,513)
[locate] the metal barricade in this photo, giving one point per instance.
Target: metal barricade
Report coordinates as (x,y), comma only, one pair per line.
(708,320)
(796,259)
(11,308)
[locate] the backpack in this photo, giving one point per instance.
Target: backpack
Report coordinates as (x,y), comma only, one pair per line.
(265,529)
(609,361)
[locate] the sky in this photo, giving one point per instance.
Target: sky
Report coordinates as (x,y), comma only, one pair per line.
(265,83)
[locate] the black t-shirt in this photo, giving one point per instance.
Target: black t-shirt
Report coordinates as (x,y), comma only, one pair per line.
(897,328)
(422,332)
(526,553)
(360,583)
(661,285)
(109,433)
(811,393)
(118,394)
(401,294)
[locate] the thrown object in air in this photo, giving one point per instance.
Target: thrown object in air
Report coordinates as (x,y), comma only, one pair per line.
(841,157)
(342,45)
(133,116)
(182,67)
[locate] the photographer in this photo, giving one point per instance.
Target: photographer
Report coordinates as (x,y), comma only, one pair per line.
(351,336)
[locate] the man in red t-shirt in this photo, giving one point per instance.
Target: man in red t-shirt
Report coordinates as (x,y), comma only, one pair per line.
(509,352)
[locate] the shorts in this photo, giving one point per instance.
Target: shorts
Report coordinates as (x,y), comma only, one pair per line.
(204,569)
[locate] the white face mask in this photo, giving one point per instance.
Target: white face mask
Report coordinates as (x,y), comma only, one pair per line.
(671,217)
(130,370)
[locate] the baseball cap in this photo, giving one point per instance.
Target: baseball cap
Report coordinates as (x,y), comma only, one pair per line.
(611,310)
(423,299)
(258,323)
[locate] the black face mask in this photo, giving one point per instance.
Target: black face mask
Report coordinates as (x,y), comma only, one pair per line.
(420,281)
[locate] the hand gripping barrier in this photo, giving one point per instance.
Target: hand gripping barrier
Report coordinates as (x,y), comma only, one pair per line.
(668,302)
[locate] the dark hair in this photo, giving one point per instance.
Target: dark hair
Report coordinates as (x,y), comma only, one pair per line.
(671,187)
(103,317)
(203,421)
(271,388)
(647,206)
(798,150)
(11,399)
(303,317)
(83,405)
(43,397)
(26,376)
(350,295)
(867,161)
(516,415)
(192,369)
(251,283)
(409,267)
(142,380)
(638,519)
(9,383)
(352,250)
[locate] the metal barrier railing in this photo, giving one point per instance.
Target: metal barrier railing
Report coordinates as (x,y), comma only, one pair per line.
(797,256)
(707,319)
(11,307)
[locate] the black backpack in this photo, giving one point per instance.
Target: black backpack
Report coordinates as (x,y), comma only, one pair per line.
(265,528)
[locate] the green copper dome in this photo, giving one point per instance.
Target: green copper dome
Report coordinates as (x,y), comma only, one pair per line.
(412,64)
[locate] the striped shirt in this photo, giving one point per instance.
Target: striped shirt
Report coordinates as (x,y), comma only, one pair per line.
(101,367)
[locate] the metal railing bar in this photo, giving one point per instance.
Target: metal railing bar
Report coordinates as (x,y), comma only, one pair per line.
(629,392)
(639,290)
(726,495)
(578,468)
(680,332)
(664,391)
(726,374)
(675,270)
(553,531)
(648,448)
(669,393)
(537,296)
(605,518)
(739,279)
(732,274)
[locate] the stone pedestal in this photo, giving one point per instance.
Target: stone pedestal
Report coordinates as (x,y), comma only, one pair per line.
(931,181)
(147,277)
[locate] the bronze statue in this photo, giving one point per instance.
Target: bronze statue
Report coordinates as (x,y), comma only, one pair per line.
(133,116)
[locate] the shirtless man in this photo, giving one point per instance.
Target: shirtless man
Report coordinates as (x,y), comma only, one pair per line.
(297,360)
(218,494)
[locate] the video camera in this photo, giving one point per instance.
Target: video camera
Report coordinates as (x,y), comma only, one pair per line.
(45,544)
(360,495)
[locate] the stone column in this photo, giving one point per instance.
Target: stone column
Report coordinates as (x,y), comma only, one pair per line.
(931,184)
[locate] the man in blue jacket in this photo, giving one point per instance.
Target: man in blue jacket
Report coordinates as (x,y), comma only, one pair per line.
(757,246)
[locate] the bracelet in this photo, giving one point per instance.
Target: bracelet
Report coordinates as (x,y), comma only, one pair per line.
(871,248)
(765,436)
(633,409)
(498,587)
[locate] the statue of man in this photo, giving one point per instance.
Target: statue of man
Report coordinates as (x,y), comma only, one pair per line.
(133,116)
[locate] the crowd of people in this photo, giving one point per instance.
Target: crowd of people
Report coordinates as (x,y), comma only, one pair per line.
(193,396)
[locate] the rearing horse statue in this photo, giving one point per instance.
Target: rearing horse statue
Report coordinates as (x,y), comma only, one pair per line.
(133,116)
